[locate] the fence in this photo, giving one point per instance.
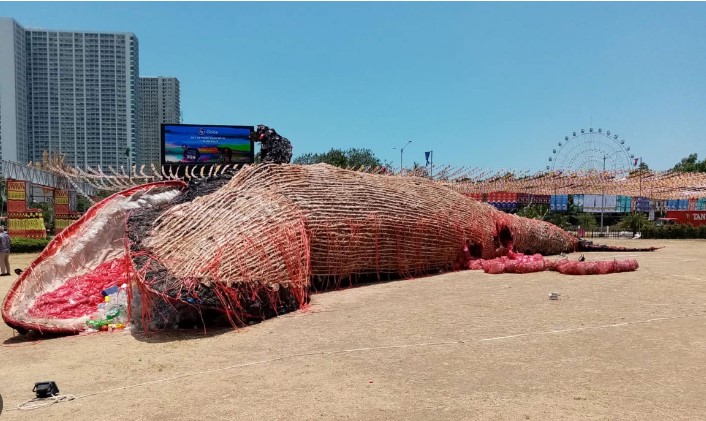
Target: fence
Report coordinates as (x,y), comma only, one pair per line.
(607,232)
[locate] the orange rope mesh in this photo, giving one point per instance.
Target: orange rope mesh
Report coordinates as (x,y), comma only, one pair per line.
(281,224)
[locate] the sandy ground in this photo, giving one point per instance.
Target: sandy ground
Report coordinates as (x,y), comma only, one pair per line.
(462,345)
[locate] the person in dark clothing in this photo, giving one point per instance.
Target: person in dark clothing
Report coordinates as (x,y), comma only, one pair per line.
(274,148)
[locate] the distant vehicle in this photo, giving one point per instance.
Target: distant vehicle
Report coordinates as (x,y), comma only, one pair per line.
(694,218)
(665,221)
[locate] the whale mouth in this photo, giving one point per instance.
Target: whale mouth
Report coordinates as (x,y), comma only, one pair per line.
(61,290)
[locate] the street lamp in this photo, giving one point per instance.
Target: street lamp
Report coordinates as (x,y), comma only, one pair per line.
(640,169)
(603,188)
(639,222)
(402,152)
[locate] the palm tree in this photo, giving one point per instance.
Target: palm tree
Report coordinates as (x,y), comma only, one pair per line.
(634,221)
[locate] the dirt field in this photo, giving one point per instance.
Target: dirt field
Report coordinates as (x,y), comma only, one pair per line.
(462,345)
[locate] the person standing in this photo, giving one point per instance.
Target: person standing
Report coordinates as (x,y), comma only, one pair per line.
(4,252)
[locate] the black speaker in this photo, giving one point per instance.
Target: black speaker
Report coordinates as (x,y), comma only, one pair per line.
(45,389)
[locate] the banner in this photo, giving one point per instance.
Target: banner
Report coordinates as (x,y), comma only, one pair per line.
(595,203)
(16,196)
(63,214)
(61,203)
(559,203)
(22,222)
(28,224)
(624,204)
(62,222)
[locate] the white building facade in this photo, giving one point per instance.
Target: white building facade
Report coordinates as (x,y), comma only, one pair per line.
(158,102)
(71,93)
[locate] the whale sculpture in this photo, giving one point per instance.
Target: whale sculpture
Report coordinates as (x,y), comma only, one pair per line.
(251,244)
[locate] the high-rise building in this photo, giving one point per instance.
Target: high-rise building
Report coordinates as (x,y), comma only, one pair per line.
(158,102)
(14,99)
(67,92)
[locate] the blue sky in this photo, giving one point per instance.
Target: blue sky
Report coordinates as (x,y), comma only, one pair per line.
(492,85)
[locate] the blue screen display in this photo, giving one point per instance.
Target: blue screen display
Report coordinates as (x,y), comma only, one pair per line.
(195,144)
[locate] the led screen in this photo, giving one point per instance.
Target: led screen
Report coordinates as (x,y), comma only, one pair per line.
(197,144)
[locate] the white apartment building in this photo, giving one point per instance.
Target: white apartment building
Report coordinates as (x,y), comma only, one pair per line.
(158,102)
(67,92)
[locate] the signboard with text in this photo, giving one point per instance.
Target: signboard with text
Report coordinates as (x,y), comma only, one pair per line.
(192,144)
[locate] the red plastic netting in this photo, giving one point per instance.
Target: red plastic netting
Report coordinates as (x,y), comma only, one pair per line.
(80,295)
(521,263)
(511,262)
(595,268)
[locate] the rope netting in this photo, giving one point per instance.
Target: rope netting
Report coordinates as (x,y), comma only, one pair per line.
(222,251)
(260,238)
(342,222)
(534,236)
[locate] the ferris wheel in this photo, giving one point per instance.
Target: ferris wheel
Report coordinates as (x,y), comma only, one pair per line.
(592,150)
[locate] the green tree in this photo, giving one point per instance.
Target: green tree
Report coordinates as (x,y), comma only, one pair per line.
(643,169)
(559,219)
(362,157)
(690,164)
(82,204)
(543,213)
(47,214)
(419,170)
(352,157)
(587,221)
(540,212)
(634,221)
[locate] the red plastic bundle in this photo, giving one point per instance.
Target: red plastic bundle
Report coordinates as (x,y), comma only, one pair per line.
(596,268)
(522,263)
(79,296)
(529,264)
(513,263)
(475,264)
(493,266)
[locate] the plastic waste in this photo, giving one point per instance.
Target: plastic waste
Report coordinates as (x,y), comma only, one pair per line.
(110,291)
(112,312)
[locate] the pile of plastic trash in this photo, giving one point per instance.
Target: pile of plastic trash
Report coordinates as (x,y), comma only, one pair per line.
(111,314)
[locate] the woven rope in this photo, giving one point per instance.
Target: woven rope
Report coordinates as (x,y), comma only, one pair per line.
(228,236)
(281,223)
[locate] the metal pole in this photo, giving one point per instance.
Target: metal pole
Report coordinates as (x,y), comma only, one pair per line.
(639,224)
(640,168)
(603,195)
(402,152)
